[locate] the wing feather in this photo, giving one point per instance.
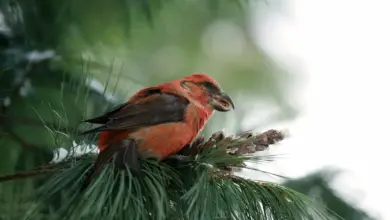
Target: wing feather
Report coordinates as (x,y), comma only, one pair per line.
(154,108)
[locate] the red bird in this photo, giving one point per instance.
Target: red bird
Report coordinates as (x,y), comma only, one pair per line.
(158,121)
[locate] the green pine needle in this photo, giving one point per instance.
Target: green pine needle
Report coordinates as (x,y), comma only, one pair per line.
(195,189)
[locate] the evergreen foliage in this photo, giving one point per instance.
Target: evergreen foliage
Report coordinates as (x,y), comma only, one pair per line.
(46,89)
(198,184)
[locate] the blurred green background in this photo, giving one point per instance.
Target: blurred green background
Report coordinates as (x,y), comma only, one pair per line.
(64,60)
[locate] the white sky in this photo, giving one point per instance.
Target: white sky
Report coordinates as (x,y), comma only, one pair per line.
(344,49)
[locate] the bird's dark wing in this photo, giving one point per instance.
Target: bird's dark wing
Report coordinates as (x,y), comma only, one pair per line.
(105,117)
(154,108)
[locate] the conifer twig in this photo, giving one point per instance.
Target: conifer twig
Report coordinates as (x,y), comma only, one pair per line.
(27,174)
(243,144)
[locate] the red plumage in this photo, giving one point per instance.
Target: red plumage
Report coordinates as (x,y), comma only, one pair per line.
(159,121)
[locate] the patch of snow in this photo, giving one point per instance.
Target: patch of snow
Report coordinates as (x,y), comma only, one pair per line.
(59,155)
(76,150)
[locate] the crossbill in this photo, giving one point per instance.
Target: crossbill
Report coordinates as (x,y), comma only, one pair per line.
(158,121)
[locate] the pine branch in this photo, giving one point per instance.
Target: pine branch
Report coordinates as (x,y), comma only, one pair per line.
(245,143)
(45,169)
(24,175)
(199,187)
(242,144)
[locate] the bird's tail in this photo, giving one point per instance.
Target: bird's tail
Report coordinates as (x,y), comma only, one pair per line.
(123,154)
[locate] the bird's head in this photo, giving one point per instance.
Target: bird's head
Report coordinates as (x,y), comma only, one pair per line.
(206,91)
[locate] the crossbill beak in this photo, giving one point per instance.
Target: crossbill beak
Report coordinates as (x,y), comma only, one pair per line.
(222,102)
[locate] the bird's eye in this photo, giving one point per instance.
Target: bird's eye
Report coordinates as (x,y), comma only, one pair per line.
(210,87)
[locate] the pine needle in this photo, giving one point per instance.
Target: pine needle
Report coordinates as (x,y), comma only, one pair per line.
(199,187)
